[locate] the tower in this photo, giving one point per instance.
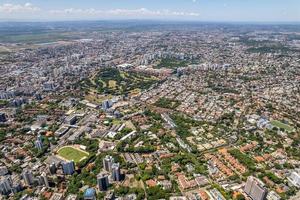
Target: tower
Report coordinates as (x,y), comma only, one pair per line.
(116,172)
(255,189)
(38,144)
(107,163)
(102,181)
(45,179)
(52,168)
(68,167)
(28,177)
(5,185)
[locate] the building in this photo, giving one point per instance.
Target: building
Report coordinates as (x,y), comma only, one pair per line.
(45,179)
(216,195)
(40,138)
(106,104)
(68,167)
(3,170)
(52,168)
(72,197)
(61,131)
(273,196)
(38,144)
(294,179)
(102,181)
(110,196)
(71,120)
(5,185)
(89,194)
(2,117)
(116,172)
(28,177)
(255,189)
(57,196)
(107,163)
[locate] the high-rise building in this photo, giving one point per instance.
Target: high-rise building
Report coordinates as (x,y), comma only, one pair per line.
(255,189)
(294,178)
(68,167)
(28,177)
(107,163)
(2,117)
(40,138)
(45,179)
(102,181)
(106,104)
(116,172)
(39,180)
(5,185)
(16,184)
(3,170)
(38,144)
(52,168)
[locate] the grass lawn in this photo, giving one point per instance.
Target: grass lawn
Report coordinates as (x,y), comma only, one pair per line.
(71,153)
(279,124)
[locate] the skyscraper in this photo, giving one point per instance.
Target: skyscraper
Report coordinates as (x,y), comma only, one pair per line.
(52,168)
(106,104)
(255,189)
(28,177)
(2,117)
(107,163)
(45,179)
(68,167)
(116,172)
(38,144)
(102,181)
(5,185)
(40,138)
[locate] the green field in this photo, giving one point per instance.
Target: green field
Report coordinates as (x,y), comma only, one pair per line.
(171,63)
(167,103)
(70,153)
(115,82)
(279,124)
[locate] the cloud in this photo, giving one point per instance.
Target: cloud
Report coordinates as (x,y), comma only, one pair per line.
(30,11)
(123,12)
(18,8)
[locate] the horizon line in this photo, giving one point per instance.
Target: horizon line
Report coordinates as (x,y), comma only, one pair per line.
(147,20)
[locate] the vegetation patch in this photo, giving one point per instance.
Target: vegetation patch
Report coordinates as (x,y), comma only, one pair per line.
(115,82)
(243,158)
(171,63)
(281,125)
(167,103)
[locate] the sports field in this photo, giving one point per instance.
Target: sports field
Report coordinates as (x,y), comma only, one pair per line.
(71,153)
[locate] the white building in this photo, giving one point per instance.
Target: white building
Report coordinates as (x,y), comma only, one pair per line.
(294,179)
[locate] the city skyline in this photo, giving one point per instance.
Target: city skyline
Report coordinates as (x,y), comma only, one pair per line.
(178,10)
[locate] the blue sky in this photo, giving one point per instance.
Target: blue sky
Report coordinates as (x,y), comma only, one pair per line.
(198,10)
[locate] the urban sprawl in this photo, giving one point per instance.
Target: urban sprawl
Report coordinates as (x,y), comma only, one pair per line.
(195,112)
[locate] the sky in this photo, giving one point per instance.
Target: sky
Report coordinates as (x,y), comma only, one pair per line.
(194,10)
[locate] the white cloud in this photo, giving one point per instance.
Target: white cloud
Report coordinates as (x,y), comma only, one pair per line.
(141,12)
(30,11)
(18,8)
